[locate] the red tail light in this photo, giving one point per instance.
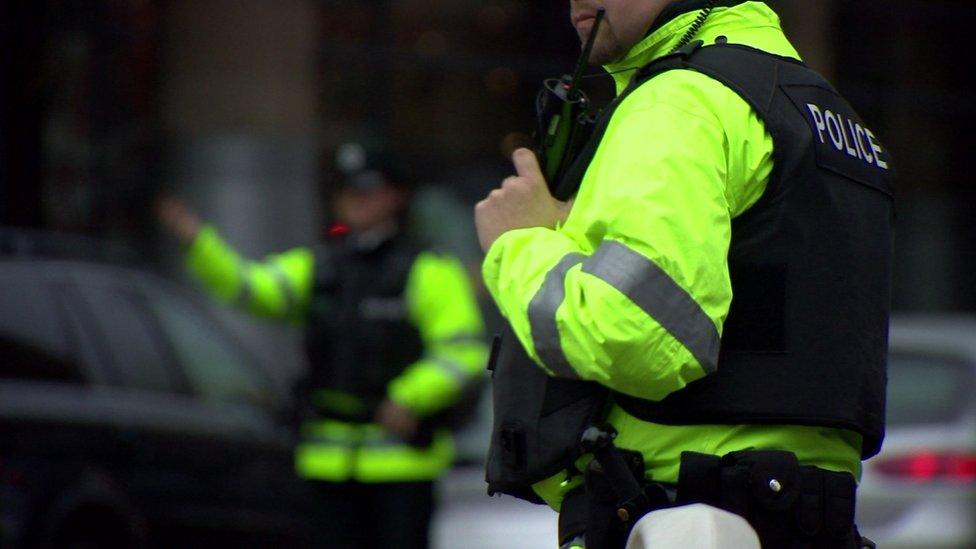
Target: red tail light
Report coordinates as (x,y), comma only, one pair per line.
(952,467)
(338,229)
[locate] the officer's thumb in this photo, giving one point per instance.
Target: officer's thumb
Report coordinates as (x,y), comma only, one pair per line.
(526,165)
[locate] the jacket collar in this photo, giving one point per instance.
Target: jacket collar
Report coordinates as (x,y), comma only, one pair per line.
(654,45)
(665,33)
(674,9)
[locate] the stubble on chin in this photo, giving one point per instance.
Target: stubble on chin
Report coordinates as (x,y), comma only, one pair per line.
(606,49)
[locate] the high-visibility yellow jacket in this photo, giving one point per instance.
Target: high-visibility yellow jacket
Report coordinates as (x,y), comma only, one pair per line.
(440,304)
(681,157)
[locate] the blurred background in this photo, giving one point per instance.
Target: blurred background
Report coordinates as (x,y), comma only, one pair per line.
(237,106)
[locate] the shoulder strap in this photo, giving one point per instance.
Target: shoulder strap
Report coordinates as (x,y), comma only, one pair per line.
(751,73)
(573,177)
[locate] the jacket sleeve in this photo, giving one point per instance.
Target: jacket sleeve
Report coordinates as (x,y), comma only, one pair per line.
(277,287)
(442,305)
(632,291)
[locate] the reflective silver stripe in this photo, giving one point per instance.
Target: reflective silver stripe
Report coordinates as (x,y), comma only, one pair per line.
(332,440)
(285,285)
(461,339)
(453,369)
(651,289)
(388,440)
(542,318)
(243,297)
(385,441)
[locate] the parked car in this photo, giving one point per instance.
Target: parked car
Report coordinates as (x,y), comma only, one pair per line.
(920,491)
(129,417)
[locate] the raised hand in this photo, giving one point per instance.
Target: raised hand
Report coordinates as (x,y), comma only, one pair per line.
(522,201)
(178,218)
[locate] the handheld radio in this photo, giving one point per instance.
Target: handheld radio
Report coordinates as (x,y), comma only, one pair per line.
(563,116)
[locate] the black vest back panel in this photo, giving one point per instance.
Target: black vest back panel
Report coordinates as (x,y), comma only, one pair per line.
(805,341)
(358,336)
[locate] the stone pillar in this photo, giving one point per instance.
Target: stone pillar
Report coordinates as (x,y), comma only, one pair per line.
(239,111)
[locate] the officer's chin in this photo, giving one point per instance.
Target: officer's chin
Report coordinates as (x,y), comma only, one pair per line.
(605,54)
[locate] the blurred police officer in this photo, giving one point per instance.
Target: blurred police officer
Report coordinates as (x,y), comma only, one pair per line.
(393,339)
(722,271)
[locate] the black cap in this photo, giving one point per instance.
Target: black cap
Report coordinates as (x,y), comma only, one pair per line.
(363,165)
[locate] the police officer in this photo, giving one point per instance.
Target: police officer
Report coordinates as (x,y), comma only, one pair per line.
(393,339)
(720,272)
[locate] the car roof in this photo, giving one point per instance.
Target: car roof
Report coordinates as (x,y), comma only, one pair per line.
(57,267)
(942,333)
(20,243)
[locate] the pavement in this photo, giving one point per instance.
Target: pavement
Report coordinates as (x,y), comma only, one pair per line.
(468,518)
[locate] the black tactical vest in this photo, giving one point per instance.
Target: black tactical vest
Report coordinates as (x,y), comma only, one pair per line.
(358,337)
(805,341)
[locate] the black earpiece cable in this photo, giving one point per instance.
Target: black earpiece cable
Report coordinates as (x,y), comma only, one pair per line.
(695,26)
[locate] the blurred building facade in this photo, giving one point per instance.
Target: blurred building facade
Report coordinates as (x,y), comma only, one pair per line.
(236,104)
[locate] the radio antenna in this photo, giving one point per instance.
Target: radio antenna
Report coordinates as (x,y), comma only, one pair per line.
(585,56)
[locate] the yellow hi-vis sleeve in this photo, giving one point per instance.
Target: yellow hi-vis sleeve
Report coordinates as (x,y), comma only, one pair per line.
(442,305)
(633,289)
(278,287)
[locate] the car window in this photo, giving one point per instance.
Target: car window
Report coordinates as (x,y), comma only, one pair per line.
(926,388)
(32,345)
(84,340)
(212,365)
(26,361)
(135,348)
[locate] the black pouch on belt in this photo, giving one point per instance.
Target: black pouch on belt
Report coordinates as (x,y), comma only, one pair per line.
(772,488)
(538,420)
(609,515)
(773,478)
(782,500)
(839,495)
(740,482)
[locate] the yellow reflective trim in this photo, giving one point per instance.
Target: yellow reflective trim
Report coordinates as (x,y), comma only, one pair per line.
(552,490)
(215,264)
(280,286)
(338,451)
(404,463)
(440,298)
(324,462)
(426,388)
(442,306)
(331,430)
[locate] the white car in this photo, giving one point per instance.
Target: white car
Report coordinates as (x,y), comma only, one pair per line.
(920,491)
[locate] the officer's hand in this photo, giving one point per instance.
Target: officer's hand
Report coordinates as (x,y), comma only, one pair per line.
(396,419)
(522,201)
(178,218)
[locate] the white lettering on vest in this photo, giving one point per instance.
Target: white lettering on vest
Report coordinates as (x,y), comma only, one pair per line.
(834,130)
(877,150)
(861,136)
(818,120)
(846,135)
(851,149)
